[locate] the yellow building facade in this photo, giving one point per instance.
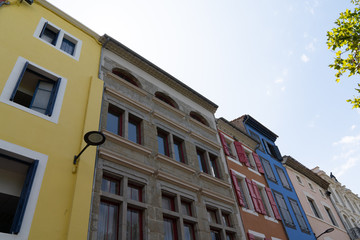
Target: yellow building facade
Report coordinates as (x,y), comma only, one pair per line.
(50,96)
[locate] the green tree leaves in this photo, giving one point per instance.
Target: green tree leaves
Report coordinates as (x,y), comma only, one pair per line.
(345,40)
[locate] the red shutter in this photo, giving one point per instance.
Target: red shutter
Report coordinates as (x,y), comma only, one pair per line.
(259,200)
(223,142)
(272,203)
(253,195)
(241,154)
(250,236)
(237,189)
(258,163)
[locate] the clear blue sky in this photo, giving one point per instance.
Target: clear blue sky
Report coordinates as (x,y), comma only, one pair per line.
(265,58)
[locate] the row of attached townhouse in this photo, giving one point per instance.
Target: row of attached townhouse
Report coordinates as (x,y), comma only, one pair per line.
(167,170)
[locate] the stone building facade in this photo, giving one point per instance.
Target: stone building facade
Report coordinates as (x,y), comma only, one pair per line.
(314,196)
(257,207)
(346,203)
(160,174)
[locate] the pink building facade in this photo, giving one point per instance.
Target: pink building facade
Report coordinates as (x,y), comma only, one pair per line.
(314,196)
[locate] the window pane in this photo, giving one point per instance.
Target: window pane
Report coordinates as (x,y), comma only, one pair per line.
(189,232)
(201,159)
(170,230)
(215,235)
(186,208)
(134,224)
(299,216)
(134,130)
(135,192)
(67,46)
(214,166)
(178,150)
(284,209)
(314,208)
(168,203)
(163,144)
(49,35)
(212,216)
(268,170)
(226,219)
(110,185)
(246,205)
(331,216)
(108,221)
(114,120)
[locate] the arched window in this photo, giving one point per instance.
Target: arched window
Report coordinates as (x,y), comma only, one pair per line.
(126,76)
(166,99)
(199,118)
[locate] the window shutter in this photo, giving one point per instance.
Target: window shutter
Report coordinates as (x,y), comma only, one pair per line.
(258,198)
(241,154)
(258,163)
(223,142)
(253,195)
(42,95)
(25,194)
(250,236)
(277,152)
(237,189)
(53,96)
(19,81)
(272,203)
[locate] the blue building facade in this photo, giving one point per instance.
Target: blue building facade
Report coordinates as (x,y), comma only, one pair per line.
(293,216)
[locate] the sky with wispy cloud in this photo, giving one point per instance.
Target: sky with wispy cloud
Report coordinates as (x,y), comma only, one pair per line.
(265,58)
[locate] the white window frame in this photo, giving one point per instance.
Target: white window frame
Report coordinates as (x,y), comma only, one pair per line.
(11,83)
(35,189)
(62,35)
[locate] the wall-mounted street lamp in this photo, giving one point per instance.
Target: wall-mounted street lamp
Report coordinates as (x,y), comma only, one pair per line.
(326,231)
(92,138)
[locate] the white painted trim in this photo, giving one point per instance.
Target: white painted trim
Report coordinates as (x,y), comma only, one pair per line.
(61,36)
(274,238)
(11,83)
(239,174)
(257,234)
(35,189)
(271,219)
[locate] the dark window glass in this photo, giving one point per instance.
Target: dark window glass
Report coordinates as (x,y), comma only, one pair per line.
(257,138)
(268,170)
(114,120)
(170,229)
(331,216)
(108,221)
(314,208)
(134,224)
(179,150)
(135,192)
(202,162)
(246,205)
(163,143)
(229,236)
(299,216)
(110,185)
(36,91)
(134,129)
(214,166)
(186,208)
(189,233)
(283,177)
(215,234)
(226,219)
(168,202)
(166,99)
(284,210)
(126,76)
(68,46)
(212,216)
(49,34)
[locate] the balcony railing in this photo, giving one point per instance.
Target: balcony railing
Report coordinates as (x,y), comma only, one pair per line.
(354,233)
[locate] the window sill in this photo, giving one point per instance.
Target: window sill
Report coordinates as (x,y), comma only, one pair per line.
(173,162)
(129,85)
(254,171)
(271,219)
(250,211)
